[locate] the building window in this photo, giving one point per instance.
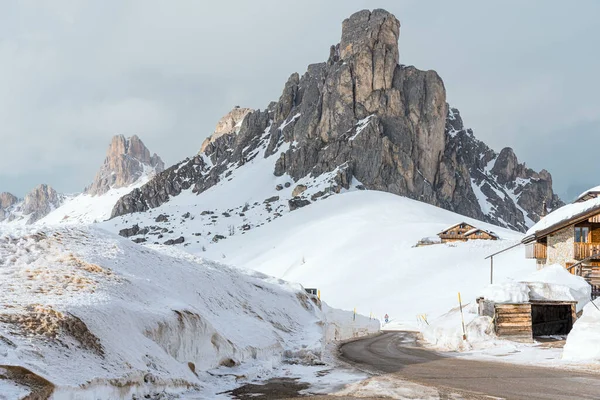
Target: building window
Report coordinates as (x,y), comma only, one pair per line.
(581,234)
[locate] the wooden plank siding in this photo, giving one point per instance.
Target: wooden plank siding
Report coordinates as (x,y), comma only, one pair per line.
(536,250)
(514,321)
(452,237)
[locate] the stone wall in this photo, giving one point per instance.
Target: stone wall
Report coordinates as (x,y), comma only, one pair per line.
(560,247)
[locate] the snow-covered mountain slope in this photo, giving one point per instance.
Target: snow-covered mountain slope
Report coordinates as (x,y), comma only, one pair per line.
(246,197)
(358,249)
(95,315)
(87,209)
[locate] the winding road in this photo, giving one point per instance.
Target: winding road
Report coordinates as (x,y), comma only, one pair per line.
(398,353)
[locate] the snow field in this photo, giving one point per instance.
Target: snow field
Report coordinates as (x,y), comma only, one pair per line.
(118,314)
(358,249)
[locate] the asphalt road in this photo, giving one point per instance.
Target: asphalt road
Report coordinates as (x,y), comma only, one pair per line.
(398,353)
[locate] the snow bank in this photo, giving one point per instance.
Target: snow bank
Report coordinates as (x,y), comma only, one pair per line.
(89,311)
(583,342)
(344,325)
(446,332)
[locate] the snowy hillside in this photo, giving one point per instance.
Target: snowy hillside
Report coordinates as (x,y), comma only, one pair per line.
(98,316)
(87,209)
(358,248)
(247,197)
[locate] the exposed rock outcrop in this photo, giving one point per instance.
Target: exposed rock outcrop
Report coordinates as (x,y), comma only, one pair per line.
(40,201)
(7,201)
(230,123)
(363,116)
(509,193)
(126,161)
(37,204)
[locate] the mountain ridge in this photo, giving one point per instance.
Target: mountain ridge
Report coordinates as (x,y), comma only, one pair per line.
(369,118)
(128,162)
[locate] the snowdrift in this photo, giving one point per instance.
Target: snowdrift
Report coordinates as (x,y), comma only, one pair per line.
(358,248)
(583,343)
(93,314)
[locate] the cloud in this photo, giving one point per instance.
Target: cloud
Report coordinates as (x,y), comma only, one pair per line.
(74,73)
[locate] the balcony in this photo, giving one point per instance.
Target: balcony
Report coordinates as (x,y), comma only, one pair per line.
(536,250)
(452,236)
(585,250)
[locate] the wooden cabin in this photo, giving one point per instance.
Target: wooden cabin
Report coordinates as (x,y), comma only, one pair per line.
(455,233)
(462,232)
(570,236)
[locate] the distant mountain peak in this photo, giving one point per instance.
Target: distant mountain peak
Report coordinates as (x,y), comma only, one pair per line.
(127,159)
(40,201)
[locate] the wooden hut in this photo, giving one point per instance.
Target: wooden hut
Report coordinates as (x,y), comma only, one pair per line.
(525,321)
(456,232)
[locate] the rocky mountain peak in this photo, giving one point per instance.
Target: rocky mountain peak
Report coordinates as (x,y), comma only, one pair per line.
(361,119)
(230,123)
(127,159)
(370,44)
(506,167)
(7,200)
(40,201)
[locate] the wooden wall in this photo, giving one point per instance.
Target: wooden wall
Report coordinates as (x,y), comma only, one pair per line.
(514,321)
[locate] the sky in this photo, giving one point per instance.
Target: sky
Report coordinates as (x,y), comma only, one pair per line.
(73,73)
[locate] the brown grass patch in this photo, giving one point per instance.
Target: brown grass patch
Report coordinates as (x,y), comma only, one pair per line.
(41,389)
(49,323)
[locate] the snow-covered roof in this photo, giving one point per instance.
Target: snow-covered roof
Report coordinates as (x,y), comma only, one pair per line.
(472,231)
(454,226)
(595,189)
(563,215)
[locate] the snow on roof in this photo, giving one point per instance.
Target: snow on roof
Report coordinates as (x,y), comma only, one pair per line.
(472,231)
(454,226)
(595,189)
(564,214)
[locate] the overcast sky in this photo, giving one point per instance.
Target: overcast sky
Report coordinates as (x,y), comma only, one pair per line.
(75,73)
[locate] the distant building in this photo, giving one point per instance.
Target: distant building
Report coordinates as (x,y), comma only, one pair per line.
(462,232)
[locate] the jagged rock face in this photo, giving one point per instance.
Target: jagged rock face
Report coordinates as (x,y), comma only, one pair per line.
(126,161)
(364,117)
(511,194)
(40,202)
(7,201)
(229,124)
